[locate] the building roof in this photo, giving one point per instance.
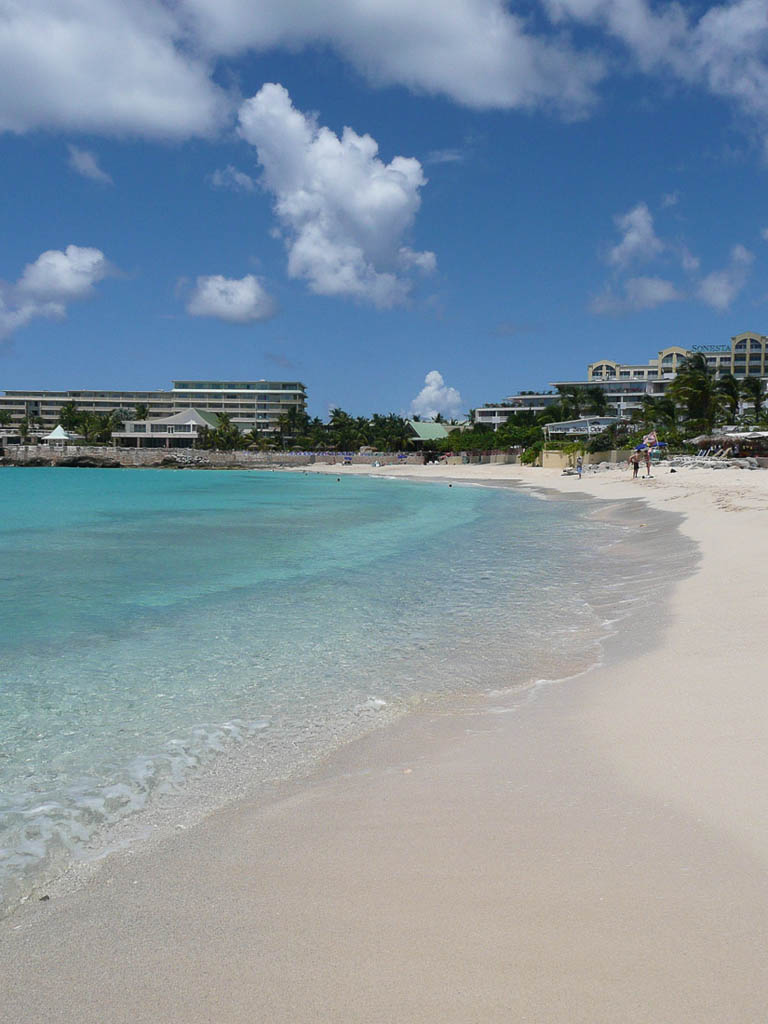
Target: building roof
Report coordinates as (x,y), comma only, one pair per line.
(428,431)
(200,417)
(59,434)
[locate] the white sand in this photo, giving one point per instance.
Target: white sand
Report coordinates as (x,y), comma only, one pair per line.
(596,853)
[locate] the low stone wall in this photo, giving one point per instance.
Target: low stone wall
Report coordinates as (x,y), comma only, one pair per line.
(498,459)
(560,460)
(183,458)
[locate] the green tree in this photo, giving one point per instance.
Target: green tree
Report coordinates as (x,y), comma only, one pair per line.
(752,390)
(5,418)
(572,400)
(597,403)
(69,416)
(729,388)
(142,411)
(695,390)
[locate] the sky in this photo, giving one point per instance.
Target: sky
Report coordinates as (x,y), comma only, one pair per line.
(408,207)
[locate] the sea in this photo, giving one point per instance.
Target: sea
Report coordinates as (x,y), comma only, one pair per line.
(157,625)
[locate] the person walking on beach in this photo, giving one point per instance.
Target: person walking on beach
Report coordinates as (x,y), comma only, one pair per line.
(579,466)
(634,461)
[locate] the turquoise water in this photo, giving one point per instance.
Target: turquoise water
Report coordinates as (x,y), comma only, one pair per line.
(154,622)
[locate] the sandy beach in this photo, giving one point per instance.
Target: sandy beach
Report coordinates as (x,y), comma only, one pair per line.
(590,851)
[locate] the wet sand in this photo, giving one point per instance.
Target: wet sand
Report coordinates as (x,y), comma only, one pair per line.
(594,850)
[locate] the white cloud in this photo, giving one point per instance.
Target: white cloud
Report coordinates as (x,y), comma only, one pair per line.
(104,66)
(688,261)
(764,234)
(67,275)
(146,67)
(232,178)
(723,52)
(638,293)
(670,199)
(47,285)
(476,52)
(445,156)
(639,242)
(238,301)
(84,162)
(436,397)
(719,288)
(342,210)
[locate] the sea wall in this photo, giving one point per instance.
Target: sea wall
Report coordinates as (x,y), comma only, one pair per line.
(184,458)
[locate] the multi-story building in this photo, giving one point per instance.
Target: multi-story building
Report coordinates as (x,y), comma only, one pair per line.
(626,384)
(250,404)
(490,415)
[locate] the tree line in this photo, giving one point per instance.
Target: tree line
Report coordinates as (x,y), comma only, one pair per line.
(695,401)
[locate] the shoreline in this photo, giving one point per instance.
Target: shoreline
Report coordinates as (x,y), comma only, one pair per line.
(238,774)
(595,852)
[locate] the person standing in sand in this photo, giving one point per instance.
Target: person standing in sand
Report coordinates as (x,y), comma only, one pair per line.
(647,454)
(634,461)
(579,466)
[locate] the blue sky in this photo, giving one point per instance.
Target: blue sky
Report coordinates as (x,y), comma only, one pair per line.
(493,194)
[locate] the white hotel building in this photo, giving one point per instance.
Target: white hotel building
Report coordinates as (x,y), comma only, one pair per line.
(251,405)
(626,384)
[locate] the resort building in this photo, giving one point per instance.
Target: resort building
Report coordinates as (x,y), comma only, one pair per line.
(527,401)
(178,431)
(625,385)
(426,431)
(251,405)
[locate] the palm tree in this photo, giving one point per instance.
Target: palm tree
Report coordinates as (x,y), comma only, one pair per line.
(596,400)
(695,389)
(729,388)
(5,417)
(142,411)
(752,389)
(69,416)
(572,400)
(656,412)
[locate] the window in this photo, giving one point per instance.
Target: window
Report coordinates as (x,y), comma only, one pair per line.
(740,345)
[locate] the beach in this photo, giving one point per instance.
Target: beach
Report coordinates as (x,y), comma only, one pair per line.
(592,850)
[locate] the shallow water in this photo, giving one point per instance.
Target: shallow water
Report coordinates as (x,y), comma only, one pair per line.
(153,621)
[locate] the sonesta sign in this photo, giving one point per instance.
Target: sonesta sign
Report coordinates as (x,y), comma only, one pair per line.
(709,348)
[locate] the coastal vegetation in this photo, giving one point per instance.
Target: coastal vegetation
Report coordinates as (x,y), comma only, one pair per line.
(696,401)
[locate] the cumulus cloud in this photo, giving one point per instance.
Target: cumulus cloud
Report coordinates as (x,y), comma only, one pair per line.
(476,52)
(104,65)
(85,163)
(232,178)
(719,288)
(343,212)
(720,50)
(639,242)
(148,67)
(236,300)
(637,293)
(436,397)
(46,286)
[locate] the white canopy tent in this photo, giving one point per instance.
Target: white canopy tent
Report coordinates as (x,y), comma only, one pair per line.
(59,436)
